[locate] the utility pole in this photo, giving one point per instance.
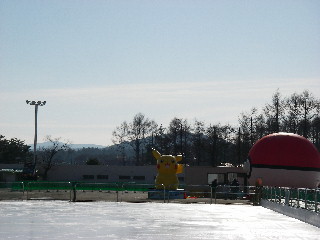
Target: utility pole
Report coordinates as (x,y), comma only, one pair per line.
(181,132)
(277,116)
(36,104)
(305,134)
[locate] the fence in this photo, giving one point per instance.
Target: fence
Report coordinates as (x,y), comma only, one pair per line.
(305,198)
(123,191)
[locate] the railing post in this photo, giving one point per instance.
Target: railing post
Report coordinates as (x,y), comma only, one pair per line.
(164,193)
(117,192)
(287,196)
(315,201)
(275,194)
(74,189)
(170,186)
(298,197)
(280,195)
(22,189)
(122,189)
(306,199)
(28,190)
(215,195)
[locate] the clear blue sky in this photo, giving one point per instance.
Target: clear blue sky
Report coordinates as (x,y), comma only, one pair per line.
(98,63)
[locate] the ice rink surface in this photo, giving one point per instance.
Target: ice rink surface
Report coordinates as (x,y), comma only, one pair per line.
(111,220)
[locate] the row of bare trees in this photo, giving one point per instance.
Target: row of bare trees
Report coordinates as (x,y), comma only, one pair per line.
(215,144)
(298,113)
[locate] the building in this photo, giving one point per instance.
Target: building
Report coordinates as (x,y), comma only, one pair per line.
(192,175)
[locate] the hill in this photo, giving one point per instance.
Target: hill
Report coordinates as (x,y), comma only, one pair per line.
(72,146)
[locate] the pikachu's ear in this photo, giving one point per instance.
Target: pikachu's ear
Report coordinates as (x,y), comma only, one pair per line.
(179,158)
(156,154)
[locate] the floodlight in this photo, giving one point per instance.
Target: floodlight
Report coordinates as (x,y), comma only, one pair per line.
(36,104)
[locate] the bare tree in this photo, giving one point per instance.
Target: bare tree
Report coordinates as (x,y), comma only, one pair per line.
(309,111)
(160,139)
(198,141)
(293,111)
(213,134)
(140,128)
(315,129)
(228,136)
(273,113)
(47,154)
(173,135)
(178,137)
(252,127)
(119,137)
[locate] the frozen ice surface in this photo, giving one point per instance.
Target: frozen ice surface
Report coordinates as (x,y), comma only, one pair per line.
(111,220)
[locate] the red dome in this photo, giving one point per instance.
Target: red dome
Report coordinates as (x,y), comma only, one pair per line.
(285,150)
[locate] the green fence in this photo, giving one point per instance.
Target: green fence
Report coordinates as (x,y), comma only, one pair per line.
(30,186)
(85,186)
(300,197)
(295,197)
(81,186)
(13,186)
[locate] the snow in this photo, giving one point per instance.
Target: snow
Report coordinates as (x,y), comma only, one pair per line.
(111,220)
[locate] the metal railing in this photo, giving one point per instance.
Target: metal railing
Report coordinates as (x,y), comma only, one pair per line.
(305,198)
(122,191)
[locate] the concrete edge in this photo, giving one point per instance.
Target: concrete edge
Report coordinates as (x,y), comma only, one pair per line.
(303,215)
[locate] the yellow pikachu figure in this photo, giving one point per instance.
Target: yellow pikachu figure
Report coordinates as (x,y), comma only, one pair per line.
(168,168)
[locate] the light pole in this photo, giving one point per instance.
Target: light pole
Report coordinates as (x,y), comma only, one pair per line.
(36,104)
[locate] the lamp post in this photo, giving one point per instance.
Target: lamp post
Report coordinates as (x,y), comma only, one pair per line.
(35,104)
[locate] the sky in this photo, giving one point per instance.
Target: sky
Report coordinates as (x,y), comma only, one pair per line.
(98,63)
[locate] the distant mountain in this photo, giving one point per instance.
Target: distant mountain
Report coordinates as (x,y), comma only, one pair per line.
(79,146)
(72,146)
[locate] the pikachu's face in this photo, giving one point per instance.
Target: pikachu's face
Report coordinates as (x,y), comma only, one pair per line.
(167,164)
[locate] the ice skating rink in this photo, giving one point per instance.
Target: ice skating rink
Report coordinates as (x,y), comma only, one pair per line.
(111,220)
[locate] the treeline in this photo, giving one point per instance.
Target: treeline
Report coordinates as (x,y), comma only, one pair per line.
(89,156)
(16,151)
(13,150)
(200,143)
(216,144)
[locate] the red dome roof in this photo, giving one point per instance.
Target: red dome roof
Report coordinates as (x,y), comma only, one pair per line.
(285,149)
